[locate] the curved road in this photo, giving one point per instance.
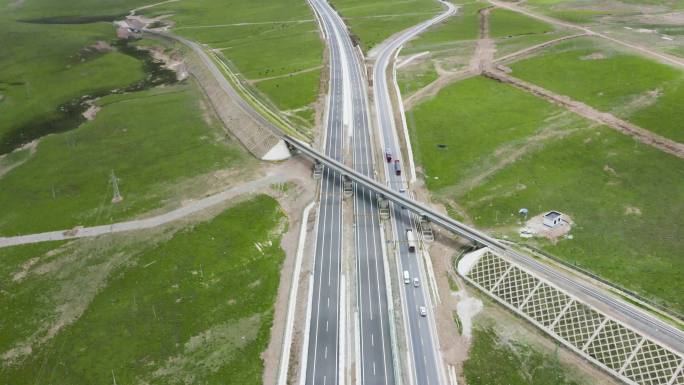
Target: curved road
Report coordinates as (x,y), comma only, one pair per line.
(426,366)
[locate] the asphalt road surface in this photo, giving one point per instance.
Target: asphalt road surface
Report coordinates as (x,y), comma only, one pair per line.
(375,361)
(323,365)
(426,364)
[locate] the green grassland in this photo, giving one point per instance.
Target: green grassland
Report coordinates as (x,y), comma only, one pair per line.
(163,308)
(260,39)
(468,142)
(373,21)
(416,78)
(505,149)
(618,82)
(151,140)
(284,39)
(505,23)
(513,31)
(576,11)
(464,25)
(516,363)
(451,43)
(46,66)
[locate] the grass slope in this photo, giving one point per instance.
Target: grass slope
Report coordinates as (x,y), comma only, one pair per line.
(195,308)
(618,82)
(506,150)
(150,139)
(516,362)
(262,39)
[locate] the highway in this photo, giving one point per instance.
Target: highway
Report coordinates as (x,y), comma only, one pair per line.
(375,363)
(426,363)
(324,348)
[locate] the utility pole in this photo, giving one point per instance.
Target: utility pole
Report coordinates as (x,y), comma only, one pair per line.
(115,186)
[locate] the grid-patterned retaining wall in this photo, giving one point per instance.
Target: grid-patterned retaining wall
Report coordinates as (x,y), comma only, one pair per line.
(604,341)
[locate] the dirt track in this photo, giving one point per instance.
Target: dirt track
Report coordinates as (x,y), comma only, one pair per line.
(483,63)
(525,52)
(610,120)
(645,51)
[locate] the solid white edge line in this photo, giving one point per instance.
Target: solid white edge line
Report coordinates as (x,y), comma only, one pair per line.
(307,327)
(342,334)
(292,301)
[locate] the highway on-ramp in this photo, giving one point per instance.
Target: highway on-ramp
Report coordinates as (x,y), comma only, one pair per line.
(426,363)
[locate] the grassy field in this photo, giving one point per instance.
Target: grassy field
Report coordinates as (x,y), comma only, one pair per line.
(416,78)
(373,21)
(152,140)
(505,23)
(637,89)
(505,149)
(513,31)
(464,25)
(261,39)
(449,45)
(192,307)
(468,143)
(576,11)
(516,362)
(47,66)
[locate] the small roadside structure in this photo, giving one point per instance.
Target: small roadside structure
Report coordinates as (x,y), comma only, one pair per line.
(553,219)
(551,225)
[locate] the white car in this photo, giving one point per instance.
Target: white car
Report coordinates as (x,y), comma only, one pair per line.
(416,282)
(423,311)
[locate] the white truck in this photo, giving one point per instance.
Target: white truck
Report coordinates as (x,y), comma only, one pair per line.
(411,241)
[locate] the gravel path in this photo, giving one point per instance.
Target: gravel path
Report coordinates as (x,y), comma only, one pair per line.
(276,176)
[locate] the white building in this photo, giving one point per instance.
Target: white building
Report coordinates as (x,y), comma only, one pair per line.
(553,218)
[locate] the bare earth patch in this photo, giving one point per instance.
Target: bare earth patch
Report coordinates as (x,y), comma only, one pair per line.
(5,168)
(594,56)
(209,350)
(75,287)
(638,102)
(630,210)
(467,308)
(92,111)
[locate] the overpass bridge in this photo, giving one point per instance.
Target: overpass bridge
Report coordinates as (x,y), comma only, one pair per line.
(624,341)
